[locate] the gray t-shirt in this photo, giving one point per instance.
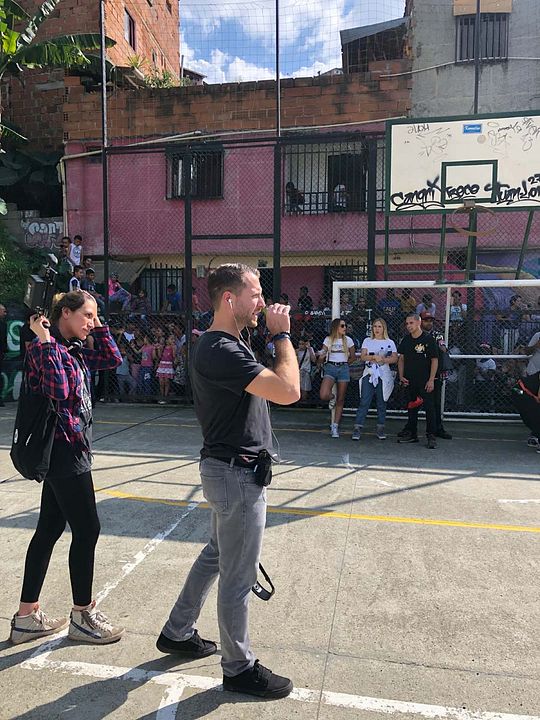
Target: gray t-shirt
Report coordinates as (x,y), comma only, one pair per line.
(234,422)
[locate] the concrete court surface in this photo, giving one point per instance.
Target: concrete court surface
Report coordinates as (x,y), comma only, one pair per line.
(407,578)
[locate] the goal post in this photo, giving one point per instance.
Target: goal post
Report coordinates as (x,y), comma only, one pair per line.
(486,324)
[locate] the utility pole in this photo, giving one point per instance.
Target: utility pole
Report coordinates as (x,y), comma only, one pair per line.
(477,56)
(104,159)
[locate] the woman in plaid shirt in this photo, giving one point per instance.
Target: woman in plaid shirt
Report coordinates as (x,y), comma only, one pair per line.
(59,366)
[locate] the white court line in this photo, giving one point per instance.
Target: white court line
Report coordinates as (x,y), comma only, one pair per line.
(168,707)
(177,682)
(39,656)
(521,502)
(346,460)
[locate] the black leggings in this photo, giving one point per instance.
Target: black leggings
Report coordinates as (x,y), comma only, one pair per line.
(70,499)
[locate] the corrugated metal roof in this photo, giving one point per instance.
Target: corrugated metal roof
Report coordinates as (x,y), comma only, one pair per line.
(353,34)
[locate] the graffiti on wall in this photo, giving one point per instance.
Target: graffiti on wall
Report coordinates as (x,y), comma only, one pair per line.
(11,383)
(42,232)
(11,366)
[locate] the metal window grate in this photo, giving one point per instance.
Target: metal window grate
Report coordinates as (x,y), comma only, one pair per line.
(154,281)
(493,37)
(206,175)
(325,177)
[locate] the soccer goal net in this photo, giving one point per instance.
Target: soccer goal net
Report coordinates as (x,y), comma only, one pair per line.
(490,329)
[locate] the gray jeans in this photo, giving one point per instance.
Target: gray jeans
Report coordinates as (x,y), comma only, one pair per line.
(238,517)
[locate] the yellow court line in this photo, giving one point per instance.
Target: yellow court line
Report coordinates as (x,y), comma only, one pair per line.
(331,514)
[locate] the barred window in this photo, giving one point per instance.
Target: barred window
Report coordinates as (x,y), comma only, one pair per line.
(493,37)
(325,177)
(206,175)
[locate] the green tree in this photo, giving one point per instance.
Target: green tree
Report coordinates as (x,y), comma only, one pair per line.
(15,266)
(20,51)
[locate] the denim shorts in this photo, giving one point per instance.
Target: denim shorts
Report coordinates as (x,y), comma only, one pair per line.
(338,373)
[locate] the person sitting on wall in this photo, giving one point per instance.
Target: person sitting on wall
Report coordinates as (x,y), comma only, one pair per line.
(75,282)
(295,198)
(117,293)
(173,300)
(140,304)
(88,283)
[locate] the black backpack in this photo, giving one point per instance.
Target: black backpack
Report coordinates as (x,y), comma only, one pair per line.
(33,434)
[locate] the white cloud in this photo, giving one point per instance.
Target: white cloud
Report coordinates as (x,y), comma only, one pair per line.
(316,68)
(309,34)
(222,68)
(241,71)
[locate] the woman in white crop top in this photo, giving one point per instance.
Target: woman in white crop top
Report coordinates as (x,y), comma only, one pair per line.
(336,354)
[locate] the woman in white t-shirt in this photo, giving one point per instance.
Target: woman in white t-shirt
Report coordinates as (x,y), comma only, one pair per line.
(336,354)
(378,352)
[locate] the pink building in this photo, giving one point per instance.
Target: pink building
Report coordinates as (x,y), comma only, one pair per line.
(324,218)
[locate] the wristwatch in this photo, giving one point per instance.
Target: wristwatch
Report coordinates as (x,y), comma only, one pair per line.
(281,336)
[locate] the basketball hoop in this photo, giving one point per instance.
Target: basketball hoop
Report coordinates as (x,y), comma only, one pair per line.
(467,207)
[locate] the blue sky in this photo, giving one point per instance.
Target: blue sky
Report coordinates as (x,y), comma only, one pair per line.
(235,41)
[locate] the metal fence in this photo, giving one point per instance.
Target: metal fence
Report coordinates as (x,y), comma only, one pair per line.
(307,211)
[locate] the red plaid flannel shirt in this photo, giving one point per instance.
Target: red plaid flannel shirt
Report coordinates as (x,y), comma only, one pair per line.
(52,371)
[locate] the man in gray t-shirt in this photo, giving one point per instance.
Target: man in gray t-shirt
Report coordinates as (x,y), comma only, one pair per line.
(231,391)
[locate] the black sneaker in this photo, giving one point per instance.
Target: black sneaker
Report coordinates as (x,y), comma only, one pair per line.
(443,434)
(431,442)
(403,432)
(259,681)
(194,648)
(407,437)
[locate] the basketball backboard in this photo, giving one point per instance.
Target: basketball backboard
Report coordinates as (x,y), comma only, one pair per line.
(434,164)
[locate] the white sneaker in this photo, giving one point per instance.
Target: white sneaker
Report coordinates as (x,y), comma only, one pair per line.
(33,626)
(93,626)
(334,430)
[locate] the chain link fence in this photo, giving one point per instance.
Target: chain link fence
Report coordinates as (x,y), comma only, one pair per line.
(487,332)
(307,211)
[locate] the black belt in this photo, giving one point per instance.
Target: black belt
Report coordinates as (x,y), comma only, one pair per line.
(234,461)
(328,362)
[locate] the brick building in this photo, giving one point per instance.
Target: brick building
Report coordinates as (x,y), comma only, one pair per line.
(234,189)
(148,30)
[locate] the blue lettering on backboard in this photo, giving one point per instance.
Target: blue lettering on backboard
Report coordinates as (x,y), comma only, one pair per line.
(472,128)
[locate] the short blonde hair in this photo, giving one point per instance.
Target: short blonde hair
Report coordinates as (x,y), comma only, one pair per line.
(385,328)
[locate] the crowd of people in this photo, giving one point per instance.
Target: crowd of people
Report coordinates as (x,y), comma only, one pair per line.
(154,348)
